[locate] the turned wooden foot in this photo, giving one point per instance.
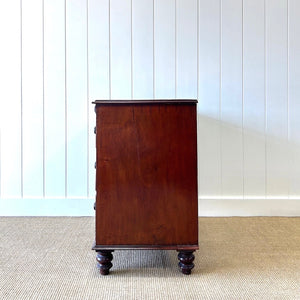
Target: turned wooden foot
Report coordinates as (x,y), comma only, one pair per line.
(186,259)
(104,258)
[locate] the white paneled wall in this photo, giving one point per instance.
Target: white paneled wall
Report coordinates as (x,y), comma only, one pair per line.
(294,97)
(239,58)
(254,98)
(142,49)
(11,133)
(164,49)
(54,99)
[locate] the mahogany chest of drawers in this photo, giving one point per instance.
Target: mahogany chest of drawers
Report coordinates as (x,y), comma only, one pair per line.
(146,178)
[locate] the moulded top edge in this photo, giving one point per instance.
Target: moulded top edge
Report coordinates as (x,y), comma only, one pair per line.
(152,101)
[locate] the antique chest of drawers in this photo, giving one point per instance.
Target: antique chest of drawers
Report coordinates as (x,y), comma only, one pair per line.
(146,178)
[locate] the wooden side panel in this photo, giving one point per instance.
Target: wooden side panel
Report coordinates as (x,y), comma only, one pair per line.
(147,175)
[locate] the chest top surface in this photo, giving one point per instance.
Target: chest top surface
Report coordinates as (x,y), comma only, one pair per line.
(147,101)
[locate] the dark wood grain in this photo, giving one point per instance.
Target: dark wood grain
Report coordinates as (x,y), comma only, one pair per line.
(146,175)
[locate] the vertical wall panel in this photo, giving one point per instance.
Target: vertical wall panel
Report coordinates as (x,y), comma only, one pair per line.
(10,95)
(277,130)
(98,68)
(54,97)
(0,156)
(231,98)
(76,87)
(32,88)
(164,49)
(120,37)
(209,99)
(98,44)
(294,96)
(142,48)
(254,98)
(186,49)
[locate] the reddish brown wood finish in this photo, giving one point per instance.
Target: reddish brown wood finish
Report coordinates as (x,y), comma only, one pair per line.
(146,175)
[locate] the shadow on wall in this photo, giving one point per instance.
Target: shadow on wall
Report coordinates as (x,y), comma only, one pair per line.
(245,162)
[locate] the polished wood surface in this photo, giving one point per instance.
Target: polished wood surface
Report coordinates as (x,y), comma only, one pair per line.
(104,258)
(186,259)
(146,175)
(147,101)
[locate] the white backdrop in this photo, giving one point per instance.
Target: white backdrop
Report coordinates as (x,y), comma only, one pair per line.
(239,58)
